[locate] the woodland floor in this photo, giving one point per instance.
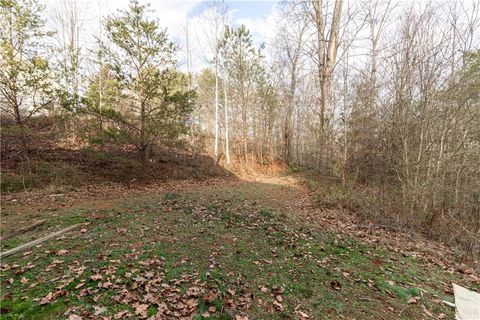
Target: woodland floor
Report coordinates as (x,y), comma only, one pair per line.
(232,249)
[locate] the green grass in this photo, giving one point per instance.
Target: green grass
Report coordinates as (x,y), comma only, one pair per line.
(219,240)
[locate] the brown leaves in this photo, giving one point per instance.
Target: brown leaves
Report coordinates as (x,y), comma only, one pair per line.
(302,314)
(474,278)
(105,285)
(149,289)
(276,293)
(263,289)
(121,315)
(192,303)
(412,300)
(141,309)
(278,305)
(52,296)
(99,310)
(53,264)
(81,284)
(96,277)
(193,292)
(209,297)
(61,252)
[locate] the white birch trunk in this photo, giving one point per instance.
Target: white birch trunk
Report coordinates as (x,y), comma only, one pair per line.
(227,147)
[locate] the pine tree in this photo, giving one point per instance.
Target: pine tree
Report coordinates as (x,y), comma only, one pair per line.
(155,101)
(25,83)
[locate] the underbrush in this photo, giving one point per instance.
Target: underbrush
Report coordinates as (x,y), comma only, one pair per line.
(255,167)
(42,174)
(382,205)
(52,166)
(44,155)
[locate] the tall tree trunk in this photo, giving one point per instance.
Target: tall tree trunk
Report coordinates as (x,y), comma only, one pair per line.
(227,147)
(215,150)
(326,55)
(143,142)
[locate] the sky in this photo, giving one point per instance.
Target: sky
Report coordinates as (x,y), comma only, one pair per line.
(261,17)
(173,15)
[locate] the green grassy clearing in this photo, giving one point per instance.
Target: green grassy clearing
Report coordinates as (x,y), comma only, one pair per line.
(218,253)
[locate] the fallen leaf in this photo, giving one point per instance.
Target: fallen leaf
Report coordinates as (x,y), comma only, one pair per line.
(278,305)
(62,252)
(81,284)
(57,261)
(141,309)
(105,285)
(263,289)
(96,277)
(99,310)
(210,296)
(120,315)
(427,312)
(191,303)
(303,314)
(52,296)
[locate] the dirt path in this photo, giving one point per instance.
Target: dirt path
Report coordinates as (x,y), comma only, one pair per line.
(283,180)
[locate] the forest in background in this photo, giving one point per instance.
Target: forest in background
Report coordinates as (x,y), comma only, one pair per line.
(380,101)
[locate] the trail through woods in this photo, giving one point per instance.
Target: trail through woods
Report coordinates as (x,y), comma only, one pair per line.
(241,249)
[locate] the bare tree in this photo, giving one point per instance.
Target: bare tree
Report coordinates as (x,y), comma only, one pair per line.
(377,15)
(66,16)
(225,107)
(290,47)
(215,16)
(326,51)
